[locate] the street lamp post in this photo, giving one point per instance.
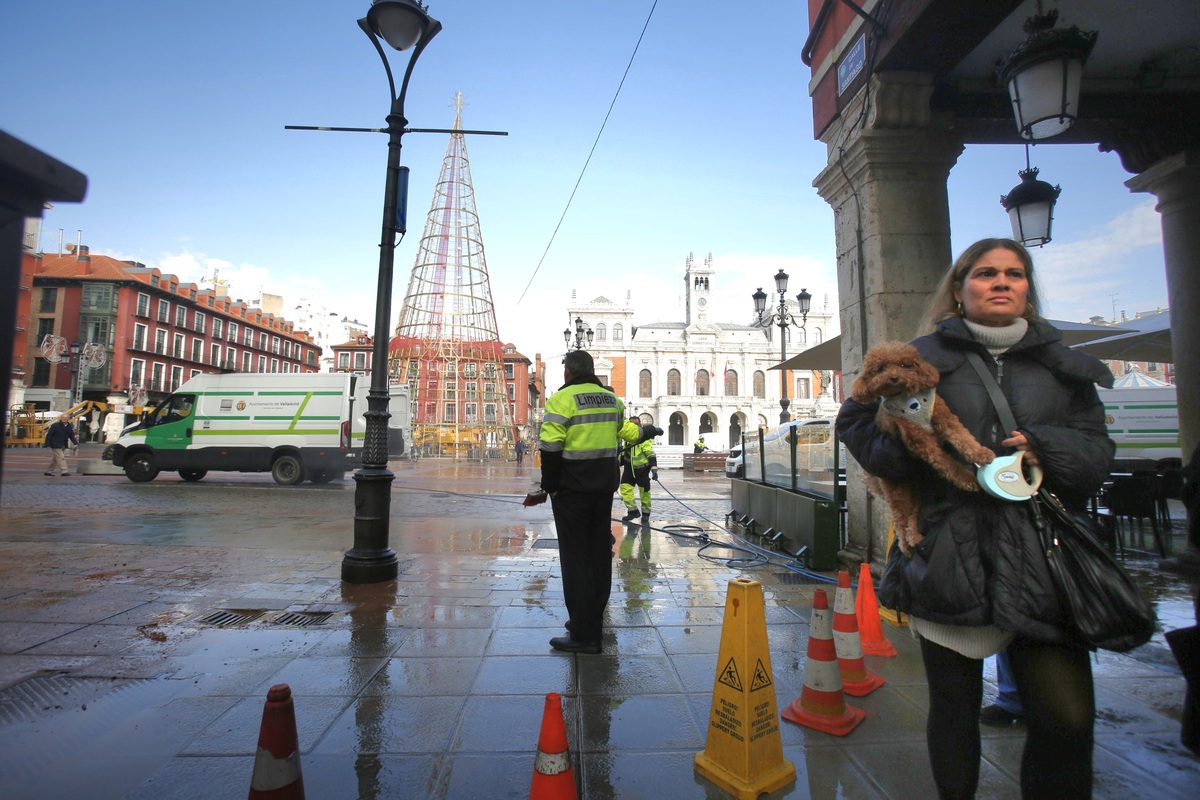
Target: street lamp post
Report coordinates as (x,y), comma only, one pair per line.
(582,332)
(784,320)
(404,25)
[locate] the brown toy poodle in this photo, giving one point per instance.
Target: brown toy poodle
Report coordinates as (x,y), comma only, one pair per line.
(905,383)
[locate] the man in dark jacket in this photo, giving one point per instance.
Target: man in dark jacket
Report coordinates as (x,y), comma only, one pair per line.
(57,437)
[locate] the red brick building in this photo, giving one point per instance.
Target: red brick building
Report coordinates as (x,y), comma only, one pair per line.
(154,332)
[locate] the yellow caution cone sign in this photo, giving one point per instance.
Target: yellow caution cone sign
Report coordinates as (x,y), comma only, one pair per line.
(894,618)
(743,751)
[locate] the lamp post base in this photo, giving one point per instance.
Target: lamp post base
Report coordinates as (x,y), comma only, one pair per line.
(371,560)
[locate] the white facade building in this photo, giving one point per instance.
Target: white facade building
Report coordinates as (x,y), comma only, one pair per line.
(326,328)
(702,378)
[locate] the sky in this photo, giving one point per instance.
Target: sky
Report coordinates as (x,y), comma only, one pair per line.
(176,113)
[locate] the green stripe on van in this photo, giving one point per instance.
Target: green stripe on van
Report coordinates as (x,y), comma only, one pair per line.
(288,432)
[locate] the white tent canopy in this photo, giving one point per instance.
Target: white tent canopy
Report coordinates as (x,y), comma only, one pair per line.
(1137,380)
(1148,339)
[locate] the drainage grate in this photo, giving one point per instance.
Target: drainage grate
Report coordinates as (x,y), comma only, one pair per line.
(302,619)
(228,618)
(796,578)
(35,697)
(545,544)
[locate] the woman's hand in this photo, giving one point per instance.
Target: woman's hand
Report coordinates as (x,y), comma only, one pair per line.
(1019,441)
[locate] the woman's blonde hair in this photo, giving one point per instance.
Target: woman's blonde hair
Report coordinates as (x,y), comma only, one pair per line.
(943,305)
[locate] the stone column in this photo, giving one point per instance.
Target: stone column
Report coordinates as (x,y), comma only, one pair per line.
(886,182)
(1175,181)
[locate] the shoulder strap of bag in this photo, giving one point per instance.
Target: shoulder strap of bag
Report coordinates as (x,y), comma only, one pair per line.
(993,389)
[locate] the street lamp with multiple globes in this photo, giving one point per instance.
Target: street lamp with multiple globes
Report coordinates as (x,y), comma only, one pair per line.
(582,332)
(784,319)
(404,25)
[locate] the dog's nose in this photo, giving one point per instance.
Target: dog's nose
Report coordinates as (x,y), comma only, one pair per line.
(894,378)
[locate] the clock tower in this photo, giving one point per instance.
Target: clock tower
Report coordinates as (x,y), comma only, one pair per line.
(699,290)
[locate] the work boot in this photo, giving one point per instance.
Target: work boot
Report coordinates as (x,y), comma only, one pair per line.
(631,515)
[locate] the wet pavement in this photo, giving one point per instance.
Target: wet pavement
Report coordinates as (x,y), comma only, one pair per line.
(141,626)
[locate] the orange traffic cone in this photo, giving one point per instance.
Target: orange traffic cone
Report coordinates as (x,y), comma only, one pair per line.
(867,610)
(277,763)
(821,705)
(552,775)
(856,681)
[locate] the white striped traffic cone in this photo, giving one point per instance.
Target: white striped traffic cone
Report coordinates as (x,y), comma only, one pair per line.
(856,681)
(821,705)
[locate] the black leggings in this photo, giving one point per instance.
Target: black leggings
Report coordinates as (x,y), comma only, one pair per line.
(1055,683)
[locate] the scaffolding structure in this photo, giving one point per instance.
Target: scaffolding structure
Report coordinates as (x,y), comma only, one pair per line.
(447,347)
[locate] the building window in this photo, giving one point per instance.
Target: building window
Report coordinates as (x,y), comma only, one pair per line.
(246,361)
(471,411)
(248,339)
(177,346)
(645,384)
(509,371)
(198,350)
(262,341)
(176,377)
(343,361)
(41,372)
(45,328)
(702,382)
(49,301)
(472,389)
(601,332)
(96,297)
(673,383)
(233,332)
(230,358)
(156,381)
(217,324)
(160,341)
(512,392)
(470,369)
(450,413)
(215,354)
(201,322)
(618,333)
(274,365)
(360,361)
(731,383)
(287,349)
(180,316)
(275,345)
(137,372)
(139,337)
(143,305)
(803,388)
(262,363)
(760,384)
(164,311)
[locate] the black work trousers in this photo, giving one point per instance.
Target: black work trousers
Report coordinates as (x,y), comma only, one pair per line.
(585,551)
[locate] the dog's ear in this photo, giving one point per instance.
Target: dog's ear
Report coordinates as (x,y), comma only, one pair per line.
(927,373)
(860,392)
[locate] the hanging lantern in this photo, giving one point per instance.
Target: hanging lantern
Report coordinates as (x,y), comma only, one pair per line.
(1030,207)
(1043,75)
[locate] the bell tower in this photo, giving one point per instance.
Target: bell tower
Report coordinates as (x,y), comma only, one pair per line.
(699,290)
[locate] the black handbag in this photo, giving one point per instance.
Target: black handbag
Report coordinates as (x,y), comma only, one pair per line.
(1102,604)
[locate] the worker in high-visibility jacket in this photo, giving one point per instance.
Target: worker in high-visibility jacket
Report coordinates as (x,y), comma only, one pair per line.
(638,466)
(578,443)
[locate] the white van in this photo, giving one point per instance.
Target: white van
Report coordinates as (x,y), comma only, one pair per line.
(296,426)
(1144,422)
(399,423)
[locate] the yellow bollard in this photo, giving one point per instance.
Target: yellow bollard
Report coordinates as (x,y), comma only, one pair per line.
(743,752)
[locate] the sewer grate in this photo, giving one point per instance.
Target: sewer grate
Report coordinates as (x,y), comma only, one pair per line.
(302,619)
(797,578)
(545,544)
(33,698)
(228,618)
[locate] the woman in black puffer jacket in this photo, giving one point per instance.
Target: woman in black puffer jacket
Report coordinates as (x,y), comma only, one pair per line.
(978,582)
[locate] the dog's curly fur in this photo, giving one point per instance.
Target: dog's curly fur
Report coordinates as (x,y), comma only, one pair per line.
(905,384)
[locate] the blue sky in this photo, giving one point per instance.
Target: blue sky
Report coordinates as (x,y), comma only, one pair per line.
(176,113)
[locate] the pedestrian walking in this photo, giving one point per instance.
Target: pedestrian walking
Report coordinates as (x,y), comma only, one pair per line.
(520,448)
(57,437)
(581,427)
(978,583)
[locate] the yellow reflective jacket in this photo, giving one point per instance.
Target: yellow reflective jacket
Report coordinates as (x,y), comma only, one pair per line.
(579,438)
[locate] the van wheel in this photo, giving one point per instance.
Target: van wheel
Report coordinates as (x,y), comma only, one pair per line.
(287,470)
(192,475)
(323,476)
(141,468)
